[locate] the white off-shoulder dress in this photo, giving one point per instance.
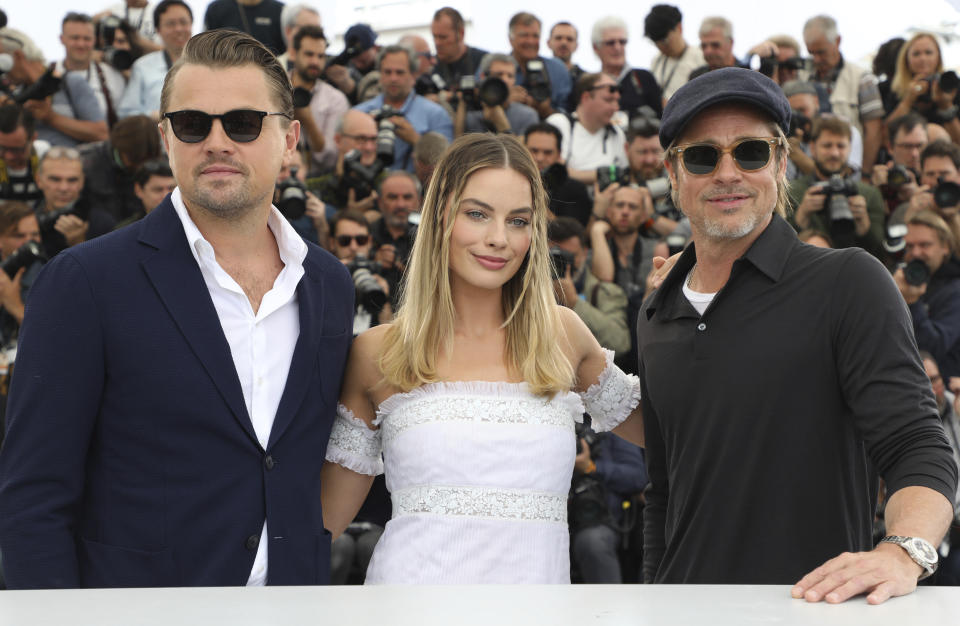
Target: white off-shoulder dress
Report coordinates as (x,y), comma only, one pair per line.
(478,474)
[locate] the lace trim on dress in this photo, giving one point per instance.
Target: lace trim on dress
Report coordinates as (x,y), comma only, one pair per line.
(353,445)
(476,401)
(501,504)
(613,397)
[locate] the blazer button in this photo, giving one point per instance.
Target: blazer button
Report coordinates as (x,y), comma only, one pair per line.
(252,542)
(269,463)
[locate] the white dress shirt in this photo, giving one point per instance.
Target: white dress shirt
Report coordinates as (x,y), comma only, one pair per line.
(261,342)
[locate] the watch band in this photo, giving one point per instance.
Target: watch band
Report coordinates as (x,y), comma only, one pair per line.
(919,550)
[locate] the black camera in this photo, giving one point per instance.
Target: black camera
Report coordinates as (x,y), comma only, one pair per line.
(291,196)
(836,191)
(946,193)
(118,59)
(609,174)
(554,177)
(537,81)
(561,260)
(24,256)
(799,122)
(359,177)
(915,272)
(587,503)
(46,86)
(765,65)
(301,97)
(949,81)
(895,241)
(675,243)
(351,50)
(46,220)
(386,132)
(429,84)
(898,175)
(370,293)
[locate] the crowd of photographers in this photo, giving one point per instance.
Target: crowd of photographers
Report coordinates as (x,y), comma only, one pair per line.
(874,163)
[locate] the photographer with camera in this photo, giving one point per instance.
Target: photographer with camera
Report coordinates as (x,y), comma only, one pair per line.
(351,242)
(78,38)
(398,198)
(64,218)
(174,22)
(779,58)
(151,184)
(854,94)
(402,115)
(542,84)
(637,88)
(831,201)
(563,43)
(454,57)
(645,156)
(357,60)
(568,196)
(19,154)
(317,105)
(19,262)
(805,98)
(929,280)
(939,189)
(897,176)
(920,85)
(676,59)
(352,183)
(64,106)
(590,139)
(488,108)
(602,305)
(609,475)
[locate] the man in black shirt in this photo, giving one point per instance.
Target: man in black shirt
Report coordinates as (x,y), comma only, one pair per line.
(454,57)
(259,18)
(778,380)
(568,196)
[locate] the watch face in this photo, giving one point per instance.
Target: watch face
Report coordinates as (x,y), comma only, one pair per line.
(924,550)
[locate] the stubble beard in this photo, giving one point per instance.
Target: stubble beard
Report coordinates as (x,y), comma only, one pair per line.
(223,199)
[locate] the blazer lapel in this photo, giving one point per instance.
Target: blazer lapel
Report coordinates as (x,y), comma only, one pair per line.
(304,361)
(174,273)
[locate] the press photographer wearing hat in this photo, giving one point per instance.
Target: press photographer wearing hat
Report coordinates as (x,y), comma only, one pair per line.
(753,377)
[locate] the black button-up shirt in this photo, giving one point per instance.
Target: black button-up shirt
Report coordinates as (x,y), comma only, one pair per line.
(769,417)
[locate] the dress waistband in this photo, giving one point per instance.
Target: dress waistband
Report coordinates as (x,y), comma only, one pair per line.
(501,504)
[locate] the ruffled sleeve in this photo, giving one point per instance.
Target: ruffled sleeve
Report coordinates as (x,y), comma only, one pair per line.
(613,397)
(354,445)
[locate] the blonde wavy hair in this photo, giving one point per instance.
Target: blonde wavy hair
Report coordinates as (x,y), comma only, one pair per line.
(425,319)
(903,76)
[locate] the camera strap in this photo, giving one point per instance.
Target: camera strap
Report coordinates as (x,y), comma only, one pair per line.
(664,78)
(111,112)
(66,89)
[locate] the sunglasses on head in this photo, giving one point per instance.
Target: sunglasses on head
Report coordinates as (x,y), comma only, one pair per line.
(344,240)
(749,154)
(612,88)
(240,125)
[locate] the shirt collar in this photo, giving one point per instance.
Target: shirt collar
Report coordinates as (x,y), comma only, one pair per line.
(769,254)
(290,245)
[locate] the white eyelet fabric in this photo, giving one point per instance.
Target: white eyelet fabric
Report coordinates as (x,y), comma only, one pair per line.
(354,445)
(612,398)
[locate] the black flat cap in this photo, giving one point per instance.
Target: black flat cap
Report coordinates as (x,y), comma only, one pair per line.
(729,84)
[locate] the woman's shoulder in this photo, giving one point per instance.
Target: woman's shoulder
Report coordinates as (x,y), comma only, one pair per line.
(369,343)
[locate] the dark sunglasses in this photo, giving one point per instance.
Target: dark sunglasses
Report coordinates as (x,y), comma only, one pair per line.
(344,240)
(750,155)
(240,125)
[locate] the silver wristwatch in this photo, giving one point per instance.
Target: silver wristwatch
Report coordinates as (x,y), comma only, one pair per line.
(920,550)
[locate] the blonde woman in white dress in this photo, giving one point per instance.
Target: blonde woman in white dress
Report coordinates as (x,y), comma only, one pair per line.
(473,391)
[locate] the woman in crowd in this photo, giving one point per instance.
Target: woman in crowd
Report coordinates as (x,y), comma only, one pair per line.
(474,389)
(916,85)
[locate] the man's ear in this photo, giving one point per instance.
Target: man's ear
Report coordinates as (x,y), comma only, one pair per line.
(668,165)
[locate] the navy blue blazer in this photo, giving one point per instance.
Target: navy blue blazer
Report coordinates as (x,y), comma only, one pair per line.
(129,459)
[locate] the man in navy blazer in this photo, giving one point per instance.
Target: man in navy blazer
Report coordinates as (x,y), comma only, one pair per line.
(177,380)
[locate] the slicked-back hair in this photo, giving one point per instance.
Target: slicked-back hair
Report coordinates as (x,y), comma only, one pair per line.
(223,49)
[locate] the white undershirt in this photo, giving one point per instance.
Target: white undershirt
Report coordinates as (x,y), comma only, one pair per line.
(700,301)
(261,343)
